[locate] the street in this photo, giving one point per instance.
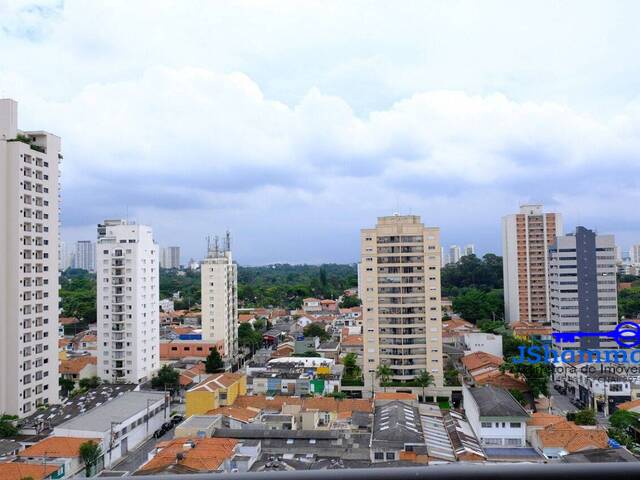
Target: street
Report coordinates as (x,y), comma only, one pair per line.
(134,459)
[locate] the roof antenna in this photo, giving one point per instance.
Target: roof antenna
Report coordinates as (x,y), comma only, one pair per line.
(227,241)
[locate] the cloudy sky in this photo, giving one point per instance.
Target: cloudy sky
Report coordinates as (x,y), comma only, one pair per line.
(294,123)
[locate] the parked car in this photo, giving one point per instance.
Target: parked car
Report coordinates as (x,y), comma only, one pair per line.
(176,419)
(159,433)
(166,426)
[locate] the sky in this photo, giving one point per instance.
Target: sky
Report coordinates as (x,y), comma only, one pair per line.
(295,123)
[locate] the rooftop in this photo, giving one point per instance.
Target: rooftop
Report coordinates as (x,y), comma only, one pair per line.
(20,471)
(76,364)
(398,423)
(190,455)
(117,410)
(217,381)
(56,447)
(496,402)
(44,420)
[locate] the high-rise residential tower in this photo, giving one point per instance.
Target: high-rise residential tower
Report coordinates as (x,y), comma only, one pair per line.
(583,293)
(219,281)
(526,237)
(634,254)
(454,254)
(29,200)
(170,257)
(402,313)
(469,250)
(85,255)
(127,302)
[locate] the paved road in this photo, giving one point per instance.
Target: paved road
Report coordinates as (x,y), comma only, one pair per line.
(137,457)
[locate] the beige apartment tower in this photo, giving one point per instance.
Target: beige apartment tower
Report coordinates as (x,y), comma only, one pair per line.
(219,290)
(399,274)
(29,200)
(526,237)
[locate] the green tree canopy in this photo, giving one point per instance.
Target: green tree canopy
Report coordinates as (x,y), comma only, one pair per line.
(475,305)
(585,417)
(167,377)
(315,330)
(90,454)
(350,301)
(214,363)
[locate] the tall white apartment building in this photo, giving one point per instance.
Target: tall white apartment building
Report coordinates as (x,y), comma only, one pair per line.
(401,304)
(634,254)
(85,255)
(128,294)
(583,292)
(469,250)
(170,257)
(29,225)
(454,254)
(219,282)
(526,237)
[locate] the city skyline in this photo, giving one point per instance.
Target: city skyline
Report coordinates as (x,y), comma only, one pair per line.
(419,134)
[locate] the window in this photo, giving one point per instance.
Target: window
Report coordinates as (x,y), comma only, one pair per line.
(486,424)
(391,456)
(514,424)
(378,456)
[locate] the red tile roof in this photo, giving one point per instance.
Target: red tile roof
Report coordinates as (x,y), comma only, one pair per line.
(20,471)
(75,365)
(56,447)
(206,455)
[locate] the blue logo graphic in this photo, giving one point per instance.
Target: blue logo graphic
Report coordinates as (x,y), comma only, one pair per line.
(626,334)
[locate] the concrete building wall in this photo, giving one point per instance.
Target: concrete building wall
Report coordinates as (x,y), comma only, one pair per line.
(526,237)
(219,282)
(127,302)
(29,239)
(583,290)
(402,313)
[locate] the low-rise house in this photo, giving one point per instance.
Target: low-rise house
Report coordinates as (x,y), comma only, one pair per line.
(62,451)
(329,350)
(500,379)
(247,318)
(602,391)
(198,426)
(539,421)
(466,445)
(120,424)
(483,342)
(330,306)
(279,421)
(310,305)
(235,417)
(34,471)
(306,344)
(195,455)
(397,434)
(497,418)
(77,368)
(561,438)
(532,331)
(453,330)
(180,349)
(218,390)
(9,448)
(630,406)
(480,362)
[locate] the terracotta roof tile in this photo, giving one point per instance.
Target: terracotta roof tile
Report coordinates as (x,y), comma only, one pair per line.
(56,447)
(352,340)
(571,437)
(541,419)
(395,396)
(239,413)
(206,455)
(75,365)
(216,381)
(18,471)
(633,405)
(477,360)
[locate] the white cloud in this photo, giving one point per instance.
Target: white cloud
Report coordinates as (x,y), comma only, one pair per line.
(295,126)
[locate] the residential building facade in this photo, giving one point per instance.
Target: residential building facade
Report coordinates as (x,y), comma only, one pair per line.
(469,250)
(400,274)
(85,255)
(29,222)
(219,281)
(170,257)
(454,254)
(583,292)
(526,237)
(127,302)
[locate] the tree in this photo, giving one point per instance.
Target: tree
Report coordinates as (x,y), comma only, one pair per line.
(349,301)
(451,378)
(474,305)
(424,380)
(91,382)
(629,302)
(90,454)
(249,337)
(166,378)
(517,394)
(7,428)
(66,386)
(383,373)
(351,369)
(214,362)
(624,419)
(497,327)
(536,375)
(315,330)
(585,417)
